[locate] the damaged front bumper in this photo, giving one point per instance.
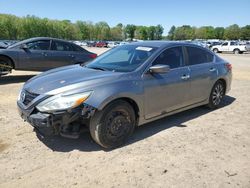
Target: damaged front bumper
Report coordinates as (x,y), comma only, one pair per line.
(67,123)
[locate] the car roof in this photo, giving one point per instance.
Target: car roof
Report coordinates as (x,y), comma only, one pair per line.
(162,43)
(37,38)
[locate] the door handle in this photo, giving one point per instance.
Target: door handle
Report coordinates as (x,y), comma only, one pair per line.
(70,55)
(212,69)
(185,77)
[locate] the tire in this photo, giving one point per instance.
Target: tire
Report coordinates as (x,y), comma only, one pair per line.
(216,95)
(236,51)
(215,50)
(112,126)
(5,65)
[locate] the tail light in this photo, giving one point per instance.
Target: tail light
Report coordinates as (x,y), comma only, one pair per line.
(92,56)
(228,66)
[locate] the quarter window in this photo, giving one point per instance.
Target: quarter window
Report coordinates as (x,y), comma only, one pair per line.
(172,57)
(198,56)
(61,46)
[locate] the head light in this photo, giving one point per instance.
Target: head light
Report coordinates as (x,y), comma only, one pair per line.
(62,102)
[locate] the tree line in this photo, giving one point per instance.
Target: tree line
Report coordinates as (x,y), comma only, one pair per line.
(18,28)
(186,32)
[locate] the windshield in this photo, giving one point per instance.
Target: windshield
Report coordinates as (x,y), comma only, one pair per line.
(125,58)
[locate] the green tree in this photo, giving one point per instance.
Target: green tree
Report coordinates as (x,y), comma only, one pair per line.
(232,32)
(219,32)
(130,31)
(151,32)
(117,32)
(184,32)
(245,33)
(141,32)
(158,32)
(171,33)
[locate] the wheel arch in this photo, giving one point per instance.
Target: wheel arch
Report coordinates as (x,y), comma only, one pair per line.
(8,57)
(224,84)
(129,100)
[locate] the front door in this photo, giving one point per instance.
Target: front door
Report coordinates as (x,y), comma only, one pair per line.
(36,56)
(168,91)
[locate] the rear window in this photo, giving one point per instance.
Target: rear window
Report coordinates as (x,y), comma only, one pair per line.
(198,56)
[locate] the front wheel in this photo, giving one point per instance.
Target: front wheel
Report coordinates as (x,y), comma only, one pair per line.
(216,95)
(215,50)
(112,126)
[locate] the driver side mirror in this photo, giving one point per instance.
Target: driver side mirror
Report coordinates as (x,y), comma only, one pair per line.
(159,69)
(24,46)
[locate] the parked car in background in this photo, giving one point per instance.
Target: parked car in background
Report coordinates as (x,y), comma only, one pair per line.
(80,43)
(126,87)
(211,44)
(42,53)
(112,44)
(101,44)
(230,46)
(91,43)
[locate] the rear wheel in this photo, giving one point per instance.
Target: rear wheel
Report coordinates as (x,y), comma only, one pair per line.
(5,66)
(216,95)
(236,51)
(112,126)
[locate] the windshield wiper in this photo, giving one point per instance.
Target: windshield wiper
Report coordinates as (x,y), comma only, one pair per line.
(97,68)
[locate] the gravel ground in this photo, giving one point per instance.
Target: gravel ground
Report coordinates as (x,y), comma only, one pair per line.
(195,148)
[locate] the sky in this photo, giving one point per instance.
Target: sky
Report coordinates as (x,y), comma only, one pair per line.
(139,12)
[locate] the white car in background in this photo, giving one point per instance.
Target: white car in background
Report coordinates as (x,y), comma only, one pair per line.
(230,46)
(80,43)
(113,44)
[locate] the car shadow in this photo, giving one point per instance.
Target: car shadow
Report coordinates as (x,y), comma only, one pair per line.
(86,144)
(11,79)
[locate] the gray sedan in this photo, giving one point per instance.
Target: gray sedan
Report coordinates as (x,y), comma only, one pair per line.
(125,87)
(42,53)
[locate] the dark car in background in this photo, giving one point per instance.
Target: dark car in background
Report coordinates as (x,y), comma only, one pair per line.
(41,54)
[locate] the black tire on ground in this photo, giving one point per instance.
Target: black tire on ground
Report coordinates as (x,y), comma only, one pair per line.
(5,65)
(112,126)
(236,51)
(216,95)
(215,50)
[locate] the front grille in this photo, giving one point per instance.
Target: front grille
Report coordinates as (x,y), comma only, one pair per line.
(29,97)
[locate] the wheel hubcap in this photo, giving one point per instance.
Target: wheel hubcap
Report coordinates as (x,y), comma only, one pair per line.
(118,125)
(217,94)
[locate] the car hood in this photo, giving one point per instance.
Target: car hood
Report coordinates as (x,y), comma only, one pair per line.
(67,78)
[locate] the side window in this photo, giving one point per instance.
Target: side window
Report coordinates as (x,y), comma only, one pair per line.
(172,57)
(232,43)
(39,45)
(61,46)
(198,56)
(225,44)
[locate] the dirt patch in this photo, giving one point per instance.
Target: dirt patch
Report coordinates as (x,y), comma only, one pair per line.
(3,146)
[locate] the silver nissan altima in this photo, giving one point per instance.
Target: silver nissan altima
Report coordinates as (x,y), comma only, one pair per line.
(123,88)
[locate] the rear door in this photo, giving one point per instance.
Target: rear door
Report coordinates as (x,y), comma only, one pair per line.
(203,73)
(62,54)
